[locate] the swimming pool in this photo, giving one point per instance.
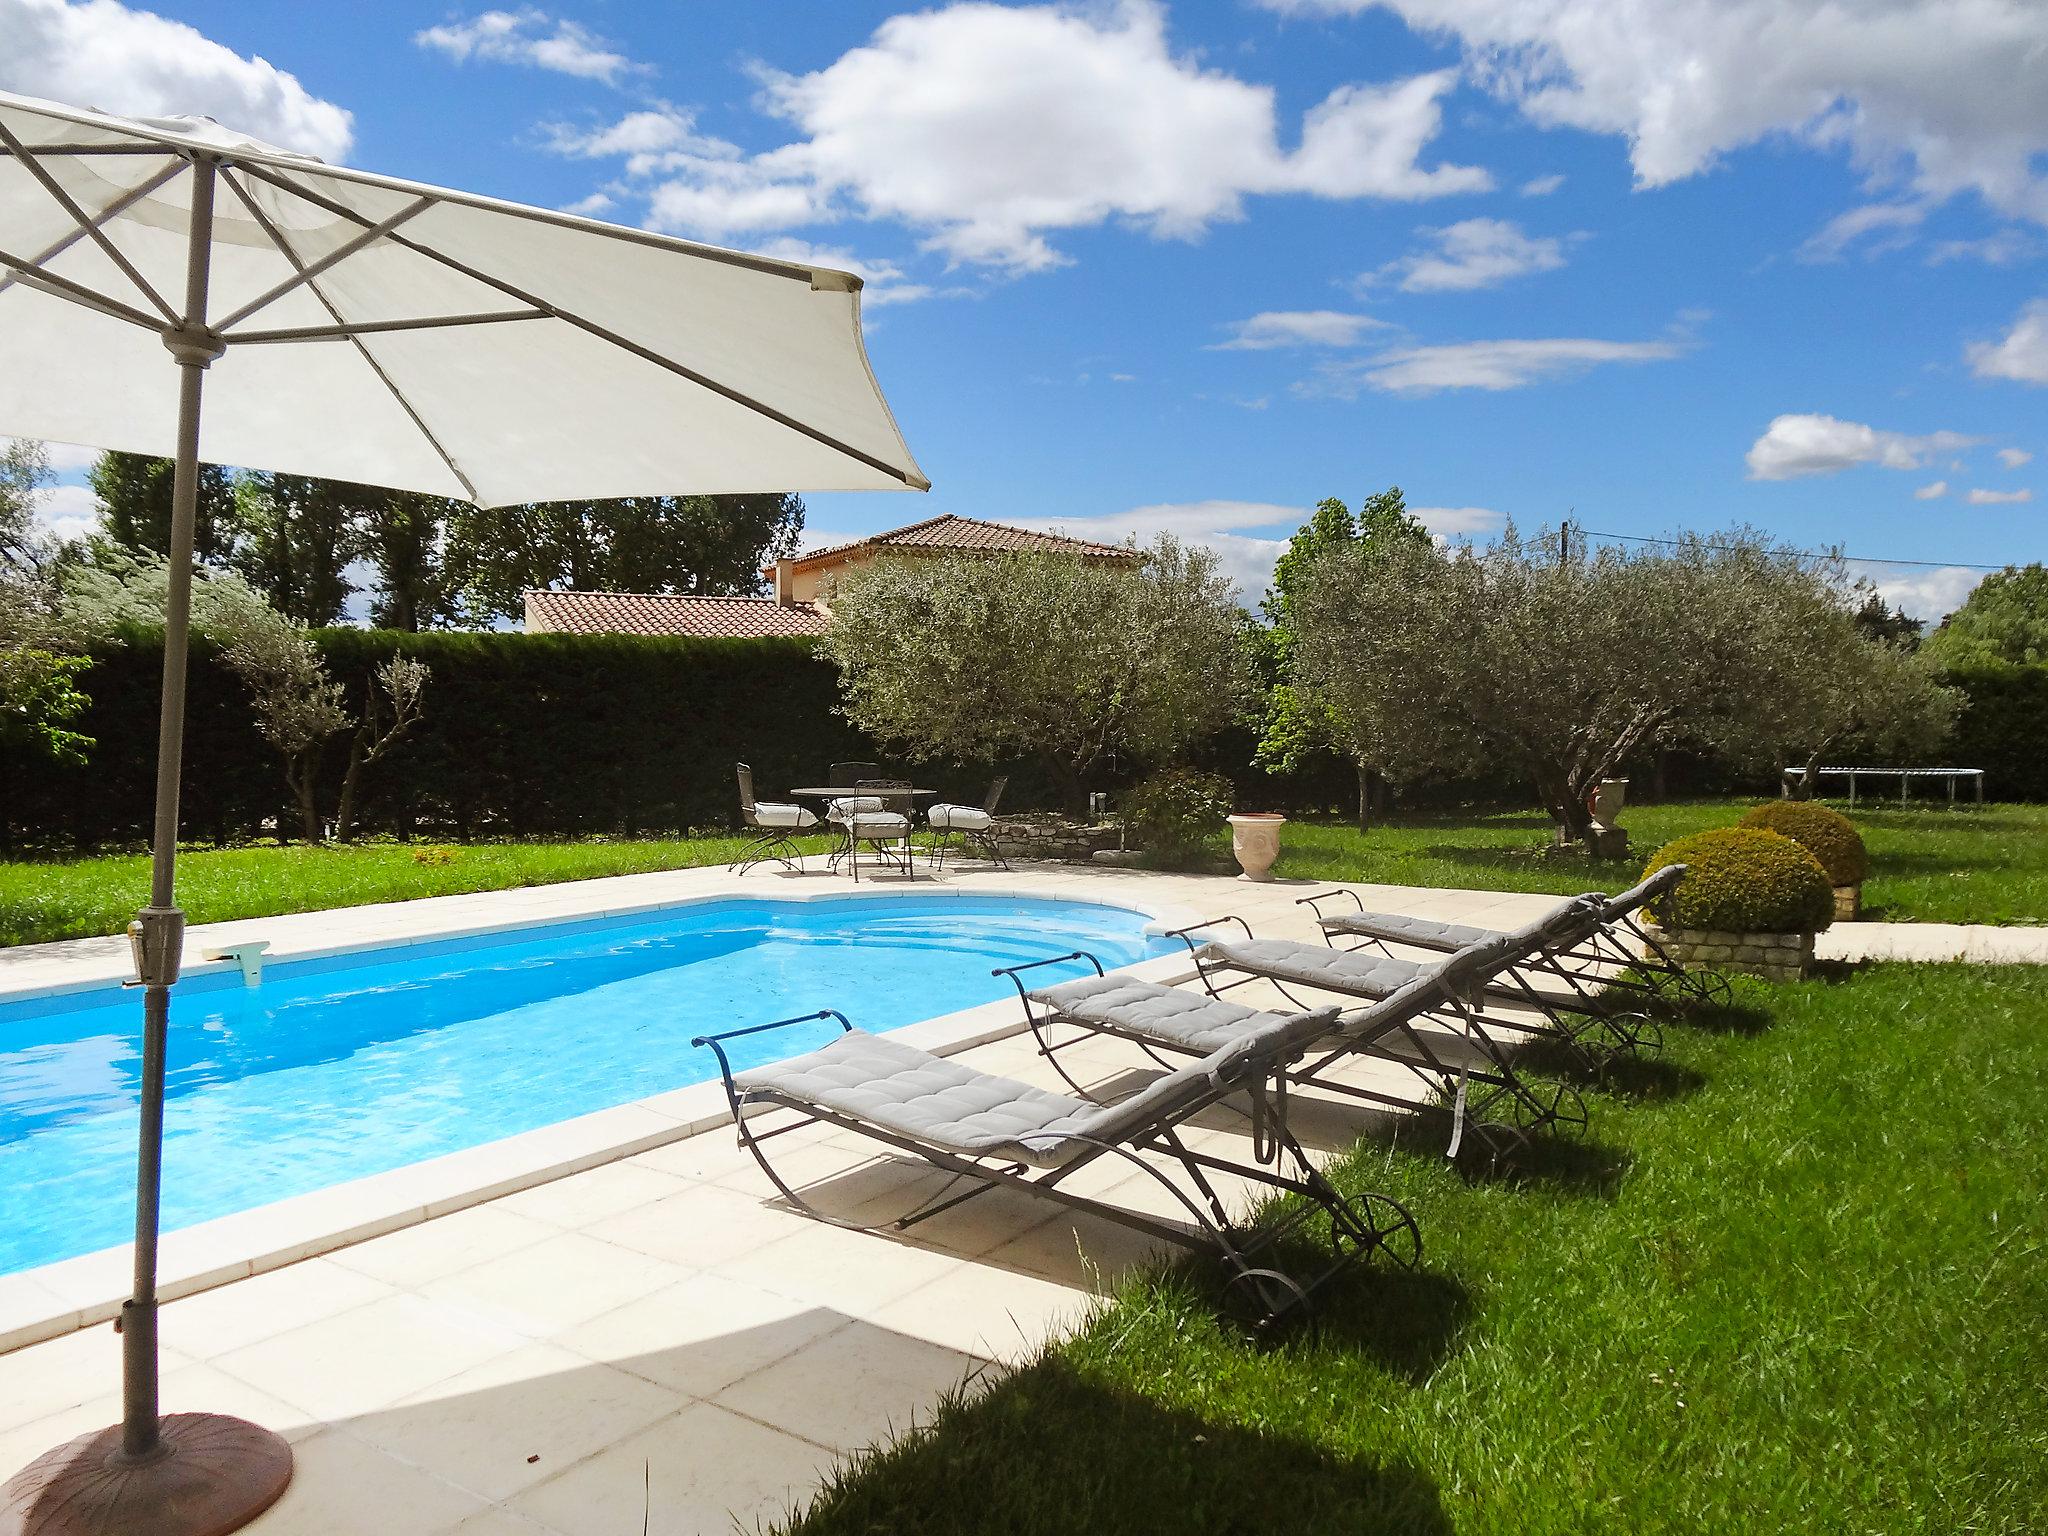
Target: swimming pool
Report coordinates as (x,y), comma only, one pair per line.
(338,1068)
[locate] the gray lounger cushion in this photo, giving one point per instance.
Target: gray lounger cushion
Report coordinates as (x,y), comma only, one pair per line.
(1430,932)
(948,1105)
(1359,974)
(1191,1020)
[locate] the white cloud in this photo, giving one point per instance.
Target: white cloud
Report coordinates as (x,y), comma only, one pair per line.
(990,129)
(1123,378)
(2000,249)
(1925,594)
(2021,354)
(594,206)
(1932,492)
(1943,95)
(1483,365)
(68,511)
(1247,536)
(1983,498)
(530,37)
(1454,522)
(102,54)
(650,131)
(1473,253)
(882,282)
(2013,458)
(1541,186)
(1796,445)
(1883,226)
(1297,328)
(63,458)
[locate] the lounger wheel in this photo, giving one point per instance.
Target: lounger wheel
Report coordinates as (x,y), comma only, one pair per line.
(1263,1297)
(1712,989)
(1634,1034)
(1374,1223)
(1555,1107)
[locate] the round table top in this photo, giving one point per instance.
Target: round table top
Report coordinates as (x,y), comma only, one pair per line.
(837,791)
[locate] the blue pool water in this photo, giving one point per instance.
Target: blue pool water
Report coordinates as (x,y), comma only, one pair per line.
(335,1069)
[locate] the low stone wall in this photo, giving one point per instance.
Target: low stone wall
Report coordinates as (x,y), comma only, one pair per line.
(1052,837)
(1773,956)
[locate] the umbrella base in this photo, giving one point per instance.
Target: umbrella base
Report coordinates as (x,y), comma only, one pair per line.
(211,1475)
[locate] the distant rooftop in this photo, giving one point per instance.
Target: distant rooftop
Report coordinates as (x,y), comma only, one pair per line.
(950,532)
(668,613)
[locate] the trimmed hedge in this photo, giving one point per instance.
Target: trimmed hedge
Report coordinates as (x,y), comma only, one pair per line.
(521,736)
(1828,835)
(2003,730)
(1744,880)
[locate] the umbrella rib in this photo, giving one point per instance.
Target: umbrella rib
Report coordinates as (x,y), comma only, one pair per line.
(591,327)
(307,271)
(87,224)
(114,209)
(276,238)
(64,288)
(342,330)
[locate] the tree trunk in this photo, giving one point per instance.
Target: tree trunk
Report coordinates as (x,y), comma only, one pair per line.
(300,776)
(345,812)
(1364,797)
(1567,808)
(1067,779)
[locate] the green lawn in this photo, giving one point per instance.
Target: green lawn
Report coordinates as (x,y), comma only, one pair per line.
(1795,1283)
(1973,866)
(64,899)
(1986,865)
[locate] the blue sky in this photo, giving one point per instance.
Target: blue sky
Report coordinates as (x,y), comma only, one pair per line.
(1196,266)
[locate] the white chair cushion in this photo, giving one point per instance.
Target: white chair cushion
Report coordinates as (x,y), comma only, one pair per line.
(852,805)
(959,818)
(769,814)
(878,824)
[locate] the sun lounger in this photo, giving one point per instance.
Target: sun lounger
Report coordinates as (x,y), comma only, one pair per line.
(1000,1132)
(1170,1019)
(1614,952)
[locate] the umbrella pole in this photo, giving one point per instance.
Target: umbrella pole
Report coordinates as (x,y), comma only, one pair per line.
(193,1474)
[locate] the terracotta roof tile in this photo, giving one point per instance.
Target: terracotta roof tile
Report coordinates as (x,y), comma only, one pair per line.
(668,613)
(949,532)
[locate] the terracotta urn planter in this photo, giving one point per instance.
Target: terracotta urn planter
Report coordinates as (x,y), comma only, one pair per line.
(1255,839)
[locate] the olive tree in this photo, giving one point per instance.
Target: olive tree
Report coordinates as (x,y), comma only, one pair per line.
(297,703)
(1561,662)
(1047,655)
(1881,701)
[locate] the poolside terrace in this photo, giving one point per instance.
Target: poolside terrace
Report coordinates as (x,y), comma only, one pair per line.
(617,1320)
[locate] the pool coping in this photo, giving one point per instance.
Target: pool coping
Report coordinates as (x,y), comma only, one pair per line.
(69,1294)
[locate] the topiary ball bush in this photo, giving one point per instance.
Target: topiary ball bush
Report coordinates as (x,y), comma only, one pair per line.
(1744,880)
(1828,835)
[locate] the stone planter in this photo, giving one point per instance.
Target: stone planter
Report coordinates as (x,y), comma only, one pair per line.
(1773,956)
(1255,839)
(1848,902)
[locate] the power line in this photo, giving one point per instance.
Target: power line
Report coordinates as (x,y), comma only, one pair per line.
(1946,565)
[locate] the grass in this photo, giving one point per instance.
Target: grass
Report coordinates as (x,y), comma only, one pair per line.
(1928,866)
(1799,1290)
(71,898)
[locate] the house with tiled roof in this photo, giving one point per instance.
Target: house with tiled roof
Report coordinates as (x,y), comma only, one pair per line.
(802,586)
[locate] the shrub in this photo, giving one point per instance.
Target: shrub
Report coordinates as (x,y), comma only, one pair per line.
(1744,880)
(1173,813)
(1827,835)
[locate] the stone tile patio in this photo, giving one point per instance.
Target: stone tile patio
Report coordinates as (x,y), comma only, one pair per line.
(657,1339)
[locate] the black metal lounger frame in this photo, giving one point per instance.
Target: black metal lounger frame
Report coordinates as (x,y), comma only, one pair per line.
(1531,1107)
(1624,1027)
(1359,1226)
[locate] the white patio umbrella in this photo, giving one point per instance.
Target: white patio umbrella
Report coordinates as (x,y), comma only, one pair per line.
(374,330)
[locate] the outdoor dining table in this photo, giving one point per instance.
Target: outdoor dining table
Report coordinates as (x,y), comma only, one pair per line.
(831,792)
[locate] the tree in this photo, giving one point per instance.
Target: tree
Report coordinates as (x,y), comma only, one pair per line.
(1294,727)
(298,704)
(26,548)
(1878,620)
(402,537)
(1565,663)
(1046,655)
(296,537)
(134,492)
(2004,619)
(39,671)
(1880,701)
(707,544)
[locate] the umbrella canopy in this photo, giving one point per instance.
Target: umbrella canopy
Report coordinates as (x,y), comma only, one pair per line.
(168,287)
(401,335)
